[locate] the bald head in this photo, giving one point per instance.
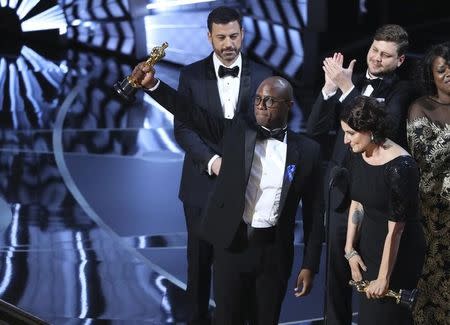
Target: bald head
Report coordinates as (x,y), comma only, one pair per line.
(273,100)
(281,84)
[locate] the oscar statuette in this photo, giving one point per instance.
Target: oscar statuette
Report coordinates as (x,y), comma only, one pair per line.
(404,297)
(128,87)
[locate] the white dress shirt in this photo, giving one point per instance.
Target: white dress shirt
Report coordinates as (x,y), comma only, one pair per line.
(262,196)
(228,92)
(369,89)
(228,87)
(365,92)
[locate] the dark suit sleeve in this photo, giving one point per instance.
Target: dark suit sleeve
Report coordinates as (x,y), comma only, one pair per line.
(312,208)
(322,117)
(351,95)
(325,113)
(189,140)
(188,113)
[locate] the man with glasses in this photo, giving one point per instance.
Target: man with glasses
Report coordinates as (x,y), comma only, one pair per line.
(250,215)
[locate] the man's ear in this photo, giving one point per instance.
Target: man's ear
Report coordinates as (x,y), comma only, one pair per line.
(290,104)
(401,59)
(209,37)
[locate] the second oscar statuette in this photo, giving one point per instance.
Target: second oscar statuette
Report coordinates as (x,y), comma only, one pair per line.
(404,297)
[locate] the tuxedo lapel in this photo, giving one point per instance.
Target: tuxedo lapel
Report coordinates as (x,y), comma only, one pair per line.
(293,156)
(210,88)
(359,82)
(385,86)
(249,150)
(244,86)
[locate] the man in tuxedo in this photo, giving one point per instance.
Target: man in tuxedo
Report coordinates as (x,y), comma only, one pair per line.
(385,55)
(250,214)
(222,83)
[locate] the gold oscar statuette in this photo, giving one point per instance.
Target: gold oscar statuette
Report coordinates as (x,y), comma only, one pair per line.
(404,297)
(127,87)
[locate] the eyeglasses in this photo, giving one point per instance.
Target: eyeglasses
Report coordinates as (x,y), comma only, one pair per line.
(268,101)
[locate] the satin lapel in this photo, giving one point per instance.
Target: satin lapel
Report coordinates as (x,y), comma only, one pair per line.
(250,140)
(244,86)
(210,88)
(359,80)
(293,156)
(385,86)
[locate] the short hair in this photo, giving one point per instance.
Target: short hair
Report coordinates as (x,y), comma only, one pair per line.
(439,50)
(393,33)
(224,15)
(366,114)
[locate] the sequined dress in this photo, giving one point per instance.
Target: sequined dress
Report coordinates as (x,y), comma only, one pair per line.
(429,142)
(388,192)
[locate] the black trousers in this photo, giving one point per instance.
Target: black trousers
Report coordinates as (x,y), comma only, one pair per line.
(199,258)
(249,285)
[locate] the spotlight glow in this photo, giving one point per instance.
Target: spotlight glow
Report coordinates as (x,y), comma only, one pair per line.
(2,79)
(75,22)
(13,85)
(13,4)
(164,4)
(25,7)
(23,80)
(52,18)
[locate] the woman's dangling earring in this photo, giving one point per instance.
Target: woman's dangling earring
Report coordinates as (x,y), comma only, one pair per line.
(371,136)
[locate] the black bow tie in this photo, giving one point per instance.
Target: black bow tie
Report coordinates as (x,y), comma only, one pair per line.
(277,134)
(375,83)
(224,71)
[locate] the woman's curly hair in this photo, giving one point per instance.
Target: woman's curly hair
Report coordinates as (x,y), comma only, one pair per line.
(366,114)
(439,50)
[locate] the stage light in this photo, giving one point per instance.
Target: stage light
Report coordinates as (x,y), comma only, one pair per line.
(15,101)
(75,22)
(82,278)
(2,78)
(13,4)
(26,79)
(33,90)
(164,4)
(25,7)
(52,18)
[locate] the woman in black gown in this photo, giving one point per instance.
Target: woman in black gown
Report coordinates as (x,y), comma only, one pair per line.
(385,243)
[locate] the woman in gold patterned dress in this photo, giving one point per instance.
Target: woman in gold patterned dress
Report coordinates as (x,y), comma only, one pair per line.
(428,132)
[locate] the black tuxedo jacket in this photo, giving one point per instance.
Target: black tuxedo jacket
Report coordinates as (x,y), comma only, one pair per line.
(198,83)
(225,206)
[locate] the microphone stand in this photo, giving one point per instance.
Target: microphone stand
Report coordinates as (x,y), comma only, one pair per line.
(326,222)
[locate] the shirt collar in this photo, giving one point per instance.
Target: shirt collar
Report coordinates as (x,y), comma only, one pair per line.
(371,77)
(218,63)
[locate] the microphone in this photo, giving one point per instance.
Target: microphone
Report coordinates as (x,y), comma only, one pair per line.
(338,177)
